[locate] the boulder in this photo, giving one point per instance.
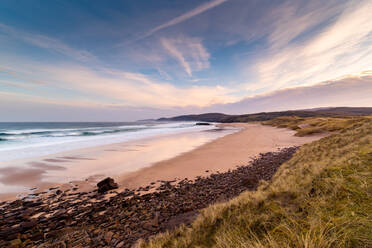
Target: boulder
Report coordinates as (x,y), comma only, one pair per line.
(106,185)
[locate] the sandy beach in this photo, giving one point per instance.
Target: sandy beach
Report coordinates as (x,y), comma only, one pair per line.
(139,163)
(219,155)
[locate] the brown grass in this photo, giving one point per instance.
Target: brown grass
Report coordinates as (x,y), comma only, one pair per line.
(322,197)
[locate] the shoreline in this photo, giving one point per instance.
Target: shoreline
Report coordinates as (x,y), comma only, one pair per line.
(83,168)
(219,154)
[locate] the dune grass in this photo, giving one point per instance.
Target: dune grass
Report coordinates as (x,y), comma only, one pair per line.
(312,125)
(320,198)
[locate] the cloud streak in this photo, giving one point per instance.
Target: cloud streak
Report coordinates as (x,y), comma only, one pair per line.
(194,12)
(294,18)
(48,43)
(173,51)
(189,52)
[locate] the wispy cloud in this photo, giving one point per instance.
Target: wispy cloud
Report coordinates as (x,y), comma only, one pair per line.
(343,47)
(194,12)
(135,89)
(48,43)
(294,18)
(109,87)
(7,96)
(173,51)
(20,76)
(189,52)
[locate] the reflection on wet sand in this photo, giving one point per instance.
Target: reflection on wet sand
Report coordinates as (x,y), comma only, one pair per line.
(25,177)
(54,160)
(76,158)
(46,166)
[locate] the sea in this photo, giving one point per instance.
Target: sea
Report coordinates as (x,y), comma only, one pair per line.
(19,140)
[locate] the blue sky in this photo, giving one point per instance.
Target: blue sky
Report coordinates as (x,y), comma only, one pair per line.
(126,60)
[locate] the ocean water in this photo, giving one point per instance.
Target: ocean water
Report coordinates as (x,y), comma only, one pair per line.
(25,140)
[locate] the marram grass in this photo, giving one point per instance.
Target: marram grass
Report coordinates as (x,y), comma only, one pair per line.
(312,125)
(321,198)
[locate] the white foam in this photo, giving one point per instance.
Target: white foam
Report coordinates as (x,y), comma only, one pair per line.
(35,146)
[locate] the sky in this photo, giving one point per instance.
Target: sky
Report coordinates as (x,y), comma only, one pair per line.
(91,60)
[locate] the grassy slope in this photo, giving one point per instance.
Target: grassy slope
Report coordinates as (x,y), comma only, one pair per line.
(307,126)
(320,198)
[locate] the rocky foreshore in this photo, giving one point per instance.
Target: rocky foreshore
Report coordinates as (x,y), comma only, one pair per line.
(92,219)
